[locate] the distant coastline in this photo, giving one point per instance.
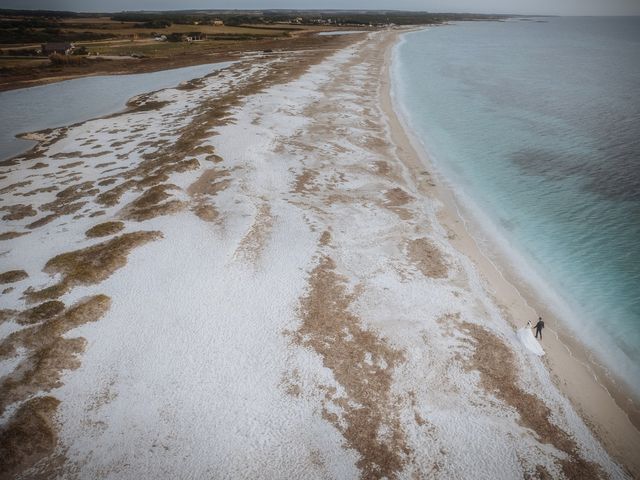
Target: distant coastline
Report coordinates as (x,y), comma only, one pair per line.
(110,43)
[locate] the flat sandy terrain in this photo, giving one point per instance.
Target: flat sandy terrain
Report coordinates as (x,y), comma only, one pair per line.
(255,275)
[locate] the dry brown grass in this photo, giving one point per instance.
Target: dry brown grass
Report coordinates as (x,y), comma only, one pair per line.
(18,212)
(6,314)
(62,209)
(74,154)
(90,265)
(397,197)
(209,184)
(105,164)
(191,84)
(148,106)
(71,194)
(14,186)
(45,139)
(363,364)
(66,203)
(11,235)
(290,383)
(162,173)
(64,60)
(305,182)
(50,352)
(37,336)
(152,204)
(104,229)
(38,166)
(214,112)
(41,370)
(498,375)
(51,188)
(206,212)
(202,150)
(67,166)
(254,241)
(426,256)
(383,168)
(542,473)
(28,436)
(41,312)
(168,158)
(212,181)
(112,197)
(13,276)
(107,182)
(97,154)
(325,238)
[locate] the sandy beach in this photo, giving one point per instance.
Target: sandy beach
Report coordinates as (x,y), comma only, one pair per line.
(603,401)
(259,274)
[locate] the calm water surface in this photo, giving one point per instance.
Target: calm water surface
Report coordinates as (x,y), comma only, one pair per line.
(537,124)
(80,99)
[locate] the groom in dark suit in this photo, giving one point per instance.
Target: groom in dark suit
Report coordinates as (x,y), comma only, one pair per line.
(539,326)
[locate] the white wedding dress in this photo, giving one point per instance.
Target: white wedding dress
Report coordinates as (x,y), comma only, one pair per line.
(528,340)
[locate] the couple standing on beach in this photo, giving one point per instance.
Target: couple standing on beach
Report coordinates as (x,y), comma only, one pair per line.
(539,326)
(526,336)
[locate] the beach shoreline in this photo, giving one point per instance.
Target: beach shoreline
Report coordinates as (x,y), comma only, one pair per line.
(605,403)
(256,274)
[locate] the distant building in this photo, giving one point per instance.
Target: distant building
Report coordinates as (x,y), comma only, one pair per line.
(195,36)
(61,48)
(218,23)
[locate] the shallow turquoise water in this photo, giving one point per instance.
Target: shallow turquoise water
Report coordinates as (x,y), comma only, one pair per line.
(537,124)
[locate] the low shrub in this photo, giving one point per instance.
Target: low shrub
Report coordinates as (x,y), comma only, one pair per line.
(66,60)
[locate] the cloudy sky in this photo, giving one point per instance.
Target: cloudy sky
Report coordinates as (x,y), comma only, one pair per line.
(551,7)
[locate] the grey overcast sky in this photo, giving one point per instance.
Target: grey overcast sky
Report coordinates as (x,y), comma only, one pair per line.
(550,7)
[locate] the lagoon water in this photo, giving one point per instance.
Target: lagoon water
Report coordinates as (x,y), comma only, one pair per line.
(71,101)
(536,125)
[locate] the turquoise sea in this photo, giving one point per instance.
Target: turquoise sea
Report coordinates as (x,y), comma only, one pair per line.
(535,124)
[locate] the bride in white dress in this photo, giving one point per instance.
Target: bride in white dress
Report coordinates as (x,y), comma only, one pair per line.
(528,340)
